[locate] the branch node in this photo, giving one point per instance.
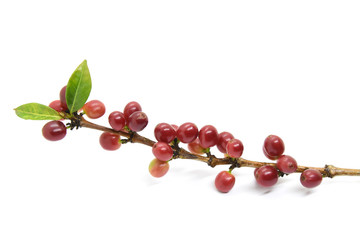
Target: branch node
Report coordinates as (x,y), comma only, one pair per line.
(329,171)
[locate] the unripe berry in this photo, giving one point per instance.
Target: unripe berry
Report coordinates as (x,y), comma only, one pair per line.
(158,168)
(164,132)
(208,136)
(94,109)
(162,151)
(54,130)
(195,147)
(286,164)
(266,176)
(273,147)
(223,139)
(137,121)
(234,148)
(311,178)
(224,181)
(110,141)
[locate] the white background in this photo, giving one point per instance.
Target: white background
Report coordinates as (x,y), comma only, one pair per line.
(253,68)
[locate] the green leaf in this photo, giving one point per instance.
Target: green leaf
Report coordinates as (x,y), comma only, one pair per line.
(78,88)
(37,111)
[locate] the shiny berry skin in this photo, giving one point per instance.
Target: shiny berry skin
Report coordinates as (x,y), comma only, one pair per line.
(267,155)
(137,121)
(175,127)
(234,148)
(266,176)
(56,105)
(162,151)
(187,132)
(286,164)
(110,141)
(117,120)
(223,139)
(208,136)
(310,178)
(130,108)
(164,132)
(63,98)
(224,181)
(195,147)
(158,168)
(273,147)
(54,130)
(94,109)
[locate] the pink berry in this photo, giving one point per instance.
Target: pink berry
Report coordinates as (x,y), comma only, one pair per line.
(110,141)
(286,164)
(234,148)
(54,130)
(208,136)
(266,176)
(56,105)
(273,147)
(63,97)
(94,109)
(195,147)
(224,181)
(158,168)
(311,178)
(223,139)
(162,151)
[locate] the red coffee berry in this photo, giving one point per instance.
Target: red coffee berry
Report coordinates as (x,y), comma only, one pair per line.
(63,98)
(267,155)
(195,147)
(224,181)
(130,108)
(54,130)
(56,105)
(158,168)
(286,164)
(273,147)
(137,121)
(94,109)
(223,139)
(110,141)
(175,127)
(187,132)
(208,136)
(164,132)
(234,148)
(266,176)
(162,151)
(117,120)
(311,178)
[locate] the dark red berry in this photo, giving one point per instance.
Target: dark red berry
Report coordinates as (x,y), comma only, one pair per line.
(208,136)
(266,176)
(234,148)
(311,178)
(267,155)
(117,120)
(137,121)
(223,139)
(273,147)
(158,168)
(63,97)
(94,109)
(54,130)
(162,151)
(56,105)
(286,164)
(130,108)
(224,181)
(164,132)
(195,147)
(187,132)
(110,141)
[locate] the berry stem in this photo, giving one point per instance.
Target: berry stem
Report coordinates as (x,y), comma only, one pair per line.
(327,171)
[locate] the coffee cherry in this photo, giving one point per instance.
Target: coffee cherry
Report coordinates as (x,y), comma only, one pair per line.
(56,105)
(208,136)
(311,178)
(94,109)
(234,148)
(224,181)
(110,141)
(63,98)
(162,151)
(117,120)
(195,147)
(187,132)
(54,131)
(286,164)
(164,132)
(273,147)
(175,127)
(266,176)
(223,139)
(130,108)
(158,168)
(137,121)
